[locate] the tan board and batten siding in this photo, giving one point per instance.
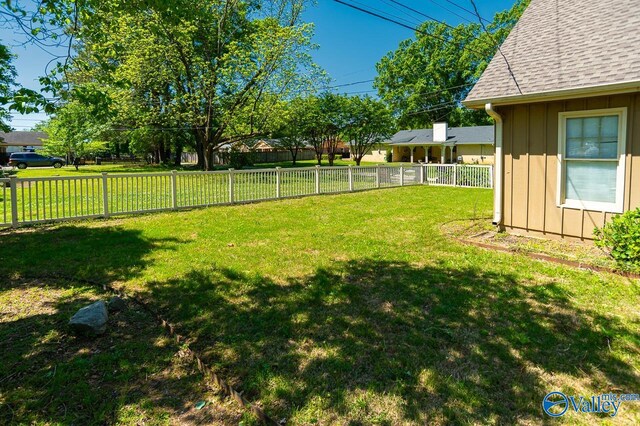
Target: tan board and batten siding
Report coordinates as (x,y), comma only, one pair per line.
(530,145)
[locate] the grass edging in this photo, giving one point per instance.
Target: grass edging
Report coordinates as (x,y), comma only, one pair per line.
(211,378)
(552,259)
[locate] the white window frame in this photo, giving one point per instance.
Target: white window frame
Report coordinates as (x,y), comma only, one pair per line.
(562,201)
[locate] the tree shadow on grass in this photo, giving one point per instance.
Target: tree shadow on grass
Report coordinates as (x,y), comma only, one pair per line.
(134,373)
(372,341)
(100,254)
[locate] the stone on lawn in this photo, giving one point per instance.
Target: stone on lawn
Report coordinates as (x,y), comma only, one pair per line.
(91,319)
(116,304)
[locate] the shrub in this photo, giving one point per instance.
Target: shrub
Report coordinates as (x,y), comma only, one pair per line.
(621,238)
(389,156)
(237,159)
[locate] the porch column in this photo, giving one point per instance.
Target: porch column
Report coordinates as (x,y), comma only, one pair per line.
(442,153)
(451,155)
(411,148)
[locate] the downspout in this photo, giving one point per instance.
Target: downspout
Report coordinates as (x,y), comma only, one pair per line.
(497,190)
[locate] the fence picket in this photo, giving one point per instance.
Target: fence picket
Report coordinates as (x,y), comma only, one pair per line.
(41,199)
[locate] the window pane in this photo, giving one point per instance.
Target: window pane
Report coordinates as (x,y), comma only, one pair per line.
(592,137)
(591,181)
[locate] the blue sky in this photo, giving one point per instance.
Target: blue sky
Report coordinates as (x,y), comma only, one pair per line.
(351,43)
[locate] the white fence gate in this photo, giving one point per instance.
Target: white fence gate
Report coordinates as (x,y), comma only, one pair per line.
(45,199)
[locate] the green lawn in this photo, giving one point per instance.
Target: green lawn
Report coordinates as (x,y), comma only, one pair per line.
(344,309)
(159,168)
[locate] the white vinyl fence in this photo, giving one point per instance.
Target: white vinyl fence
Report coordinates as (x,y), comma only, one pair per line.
(44,199)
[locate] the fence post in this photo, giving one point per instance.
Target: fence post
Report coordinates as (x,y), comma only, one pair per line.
(377,175)
(455,175)
(105,195)
(278,182)
(401,175)
(13,181)
(421,173)
(231,185)
(350,177)
(317,179)
(174,189)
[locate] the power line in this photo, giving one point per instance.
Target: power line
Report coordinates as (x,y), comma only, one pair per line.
(451,11)
(350,84)
(420,13)
(499,49)
(368,12)
(466,10)
(417,30)
(404,12)
(436,107)
(382,11)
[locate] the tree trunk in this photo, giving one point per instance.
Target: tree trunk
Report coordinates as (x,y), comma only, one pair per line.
(208,158)
(200,144)
(178,160)
(358,159)
(294,155)
(319,155)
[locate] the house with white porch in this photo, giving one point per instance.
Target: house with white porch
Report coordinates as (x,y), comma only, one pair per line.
(442,144)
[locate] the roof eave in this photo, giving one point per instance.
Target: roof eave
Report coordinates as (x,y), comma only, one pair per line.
(556,95)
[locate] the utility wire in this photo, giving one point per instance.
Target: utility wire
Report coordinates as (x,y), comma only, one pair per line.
(368,12)
(499,49)
(417,30)
(350,84)
(435,107)
(382,11)
(421,13)
(451,11)
(395,5)
(466,10)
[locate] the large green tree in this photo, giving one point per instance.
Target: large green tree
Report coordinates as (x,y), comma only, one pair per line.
(75,131)
(216,68)
(7,84)
(426,78)
(296,117)
(369,122)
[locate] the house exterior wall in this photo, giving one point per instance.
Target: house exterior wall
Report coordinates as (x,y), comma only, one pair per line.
(530,172)
(376,155)
(476,154)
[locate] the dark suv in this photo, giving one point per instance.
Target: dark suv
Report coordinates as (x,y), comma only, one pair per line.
(23,159)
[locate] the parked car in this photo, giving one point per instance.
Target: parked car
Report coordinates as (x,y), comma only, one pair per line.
(22,160)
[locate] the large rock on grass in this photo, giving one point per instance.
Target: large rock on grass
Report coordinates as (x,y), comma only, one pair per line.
(91,319)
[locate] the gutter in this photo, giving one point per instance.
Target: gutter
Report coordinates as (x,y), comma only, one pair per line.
(498,160)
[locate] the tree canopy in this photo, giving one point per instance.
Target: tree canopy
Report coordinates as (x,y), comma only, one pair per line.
(214,69)
(426,78)
(369,122)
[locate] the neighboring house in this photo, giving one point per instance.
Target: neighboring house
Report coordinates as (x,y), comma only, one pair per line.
(19,142)
(236,146)
(266,145)
(472,145)
(568,132)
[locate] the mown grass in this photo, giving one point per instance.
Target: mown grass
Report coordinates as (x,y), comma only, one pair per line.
(92,169)
(133,375)
(358,309)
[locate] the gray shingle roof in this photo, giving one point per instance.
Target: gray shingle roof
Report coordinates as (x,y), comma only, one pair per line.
(22,138)
(565,44)
(456,135)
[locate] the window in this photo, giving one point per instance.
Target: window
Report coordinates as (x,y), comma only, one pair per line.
(591,159)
